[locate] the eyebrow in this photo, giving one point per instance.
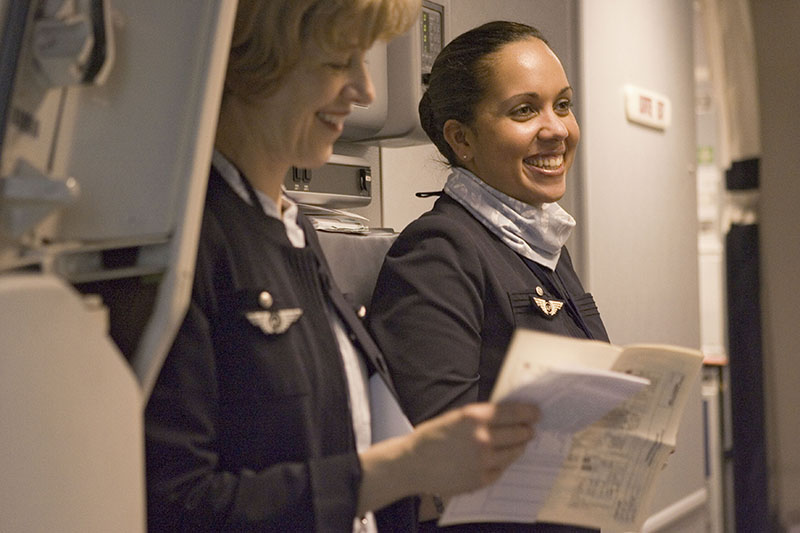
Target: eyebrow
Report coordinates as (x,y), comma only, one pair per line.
(568,88)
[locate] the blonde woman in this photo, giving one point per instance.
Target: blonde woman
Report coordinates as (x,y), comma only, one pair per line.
(259,420)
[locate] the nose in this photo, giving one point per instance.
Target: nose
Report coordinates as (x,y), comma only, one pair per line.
(360,89)
(553,127)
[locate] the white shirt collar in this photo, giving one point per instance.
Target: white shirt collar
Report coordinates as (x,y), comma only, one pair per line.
(231,175)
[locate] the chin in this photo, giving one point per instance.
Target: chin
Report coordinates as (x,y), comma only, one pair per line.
(316,160)
(545,197)
(540,200)
(556,196)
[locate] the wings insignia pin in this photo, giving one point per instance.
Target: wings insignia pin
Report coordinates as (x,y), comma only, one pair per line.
(274,322)
(548,307)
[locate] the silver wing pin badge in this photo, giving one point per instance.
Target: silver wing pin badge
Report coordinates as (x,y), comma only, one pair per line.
(548,307)
(274,322)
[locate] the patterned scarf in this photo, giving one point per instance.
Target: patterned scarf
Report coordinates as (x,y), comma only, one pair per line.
(537,232)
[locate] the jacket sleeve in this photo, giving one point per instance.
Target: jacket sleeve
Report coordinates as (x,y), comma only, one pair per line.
(189,486)
(427,315)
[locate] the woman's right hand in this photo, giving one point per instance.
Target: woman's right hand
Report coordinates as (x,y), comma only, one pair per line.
(458,451)
(470,447)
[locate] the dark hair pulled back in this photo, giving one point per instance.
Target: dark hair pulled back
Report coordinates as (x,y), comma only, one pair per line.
(459,77)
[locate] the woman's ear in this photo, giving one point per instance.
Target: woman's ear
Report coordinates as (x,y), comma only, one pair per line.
(456,135)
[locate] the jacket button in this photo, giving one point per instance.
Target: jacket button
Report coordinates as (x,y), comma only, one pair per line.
(362,312)
(265,300)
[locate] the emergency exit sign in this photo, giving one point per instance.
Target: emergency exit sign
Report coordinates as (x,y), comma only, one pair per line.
(647,108)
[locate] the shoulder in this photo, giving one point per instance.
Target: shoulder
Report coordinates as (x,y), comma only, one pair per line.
(219,219)
(446,225)
(445,213)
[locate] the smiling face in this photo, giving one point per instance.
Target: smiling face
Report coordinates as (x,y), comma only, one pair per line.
(301,120)
(523,138)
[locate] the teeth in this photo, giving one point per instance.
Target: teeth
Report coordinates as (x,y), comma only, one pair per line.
(336,120)
(546,163)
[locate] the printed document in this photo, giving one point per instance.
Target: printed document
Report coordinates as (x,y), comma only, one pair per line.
(609,422)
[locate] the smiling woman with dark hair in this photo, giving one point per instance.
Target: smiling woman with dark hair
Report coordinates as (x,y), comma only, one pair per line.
(490,256)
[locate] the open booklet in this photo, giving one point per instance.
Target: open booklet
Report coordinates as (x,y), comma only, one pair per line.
(609,422)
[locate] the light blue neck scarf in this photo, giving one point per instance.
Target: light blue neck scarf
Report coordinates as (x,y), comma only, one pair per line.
(537,232)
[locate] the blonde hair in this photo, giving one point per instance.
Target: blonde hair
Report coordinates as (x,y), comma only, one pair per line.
(269,36)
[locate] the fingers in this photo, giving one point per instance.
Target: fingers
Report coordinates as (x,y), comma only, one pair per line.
(502,414)
(471,446)
(501,433)
(501,460)
(503,425)
(494,458)
(500,426)
(515,413)
(515,436)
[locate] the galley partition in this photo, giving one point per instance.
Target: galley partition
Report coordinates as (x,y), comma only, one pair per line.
(108,119)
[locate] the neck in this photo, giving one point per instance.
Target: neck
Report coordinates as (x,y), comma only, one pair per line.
(238,140)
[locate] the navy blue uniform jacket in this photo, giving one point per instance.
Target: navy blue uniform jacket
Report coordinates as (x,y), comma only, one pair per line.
(447,300)
(249,431)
